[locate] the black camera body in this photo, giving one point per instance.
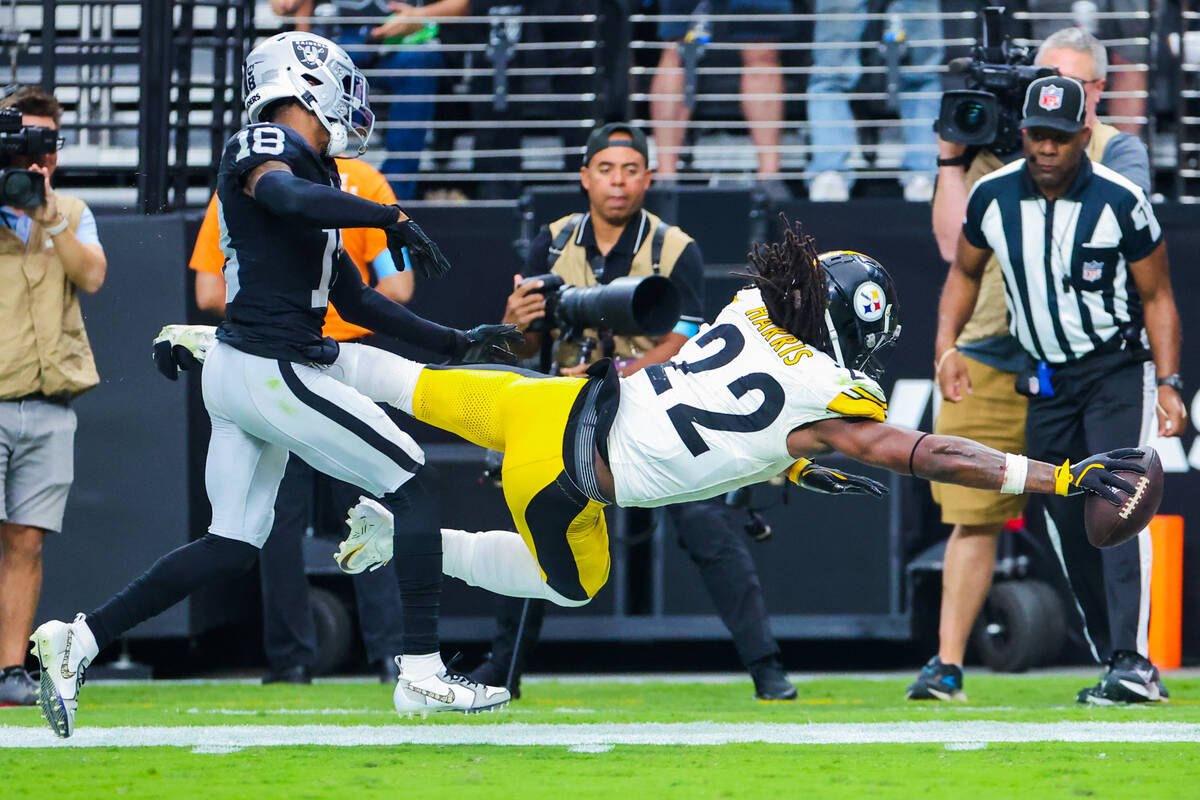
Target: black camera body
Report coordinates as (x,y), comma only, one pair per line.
(22,188)
(629,306)
(988,113)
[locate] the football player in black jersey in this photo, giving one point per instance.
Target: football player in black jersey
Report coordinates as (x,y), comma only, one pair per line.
(274,386)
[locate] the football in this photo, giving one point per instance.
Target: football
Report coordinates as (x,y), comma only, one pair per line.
(1108,525)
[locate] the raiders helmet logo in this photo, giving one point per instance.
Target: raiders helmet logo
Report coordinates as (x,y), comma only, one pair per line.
(1051,97)
(310,53)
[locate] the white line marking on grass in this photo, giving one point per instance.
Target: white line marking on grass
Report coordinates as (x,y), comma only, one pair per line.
(249,712)
(645,733)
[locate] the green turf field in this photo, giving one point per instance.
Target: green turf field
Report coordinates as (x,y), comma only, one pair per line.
(1021,736)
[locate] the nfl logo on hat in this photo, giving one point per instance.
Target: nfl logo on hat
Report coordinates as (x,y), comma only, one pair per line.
(1051,97)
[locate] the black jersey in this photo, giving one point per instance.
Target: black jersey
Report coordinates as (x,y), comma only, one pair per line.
(277,272)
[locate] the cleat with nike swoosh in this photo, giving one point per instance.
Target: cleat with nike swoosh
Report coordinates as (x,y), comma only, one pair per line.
(1130,678)
(64,650)
(446,690)
(369,545)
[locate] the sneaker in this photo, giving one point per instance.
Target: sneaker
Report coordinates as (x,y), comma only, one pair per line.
(938,681)
(918,188)
(64,649)
(370,541)
(446,690)
(17,688)
(829,187)
(770,682)
(1130,678)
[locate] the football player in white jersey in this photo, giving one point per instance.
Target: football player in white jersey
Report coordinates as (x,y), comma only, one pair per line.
(787,371)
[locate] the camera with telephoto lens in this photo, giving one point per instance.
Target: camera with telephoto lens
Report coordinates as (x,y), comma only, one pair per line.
(646,306)
(988,112)
(22,188)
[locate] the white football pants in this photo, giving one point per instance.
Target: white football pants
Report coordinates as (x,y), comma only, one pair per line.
(262,409)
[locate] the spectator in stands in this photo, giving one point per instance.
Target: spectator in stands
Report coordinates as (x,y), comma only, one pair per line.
(993,413)
(49,253)
(400,56)
(1125,53)
(837,59)
(618,237)
(761,85)
(289,633)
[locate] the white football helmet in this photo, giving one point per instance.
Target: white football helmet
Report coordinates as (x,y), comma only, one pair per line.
(320,75)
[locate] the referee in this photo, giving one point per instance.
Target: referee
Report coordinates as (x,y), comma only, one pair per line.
(1089,299)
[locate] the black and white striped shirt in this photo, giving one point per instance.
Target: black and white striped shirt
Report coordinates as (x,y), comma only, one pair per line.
(1065,261)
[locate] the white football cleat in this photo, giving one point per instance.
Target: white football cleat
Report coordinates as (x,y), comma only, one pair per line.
(369,544)
(446,690)
(197,339)
(64,651)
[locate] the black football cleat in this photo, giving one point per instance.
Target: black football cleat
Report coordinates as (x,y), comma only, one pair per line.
(770,681)
(938,681)
(297,673)
(1130,678)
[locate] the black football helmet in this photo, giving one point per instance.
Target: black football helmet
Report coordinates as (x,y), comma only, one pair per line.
(863,316)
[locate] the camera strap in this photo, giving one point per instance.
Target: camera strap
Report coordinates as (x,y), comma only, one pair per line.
(656,244)
(560,241)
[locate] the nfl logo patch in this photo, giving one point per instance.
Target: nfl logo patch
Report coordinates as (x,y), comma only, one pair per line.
(1092,270)
(1051,97)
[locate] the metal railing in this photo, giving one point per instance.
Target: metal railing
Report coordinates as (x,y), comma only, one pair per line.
(152,92)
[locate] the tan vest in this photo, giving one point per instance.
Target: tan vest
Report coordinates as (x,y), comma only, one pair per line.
(43,345)
(572,265)
(991,313)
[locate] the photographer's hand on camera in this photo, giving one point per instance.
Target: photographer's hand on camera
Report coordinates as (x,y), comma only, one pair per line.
(524,305)
(84,264)
(950,197)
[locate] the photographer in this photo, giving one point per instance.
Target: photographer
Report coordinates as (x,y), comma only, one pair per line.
(48,253)
(617,237)
(993,412)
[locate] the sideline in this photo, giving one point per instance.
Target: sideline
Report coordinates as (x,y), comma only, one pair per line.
(956,734)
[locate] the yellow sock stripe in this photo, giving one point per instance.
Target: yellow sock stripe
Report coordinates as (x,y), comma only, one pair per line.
(1062,478)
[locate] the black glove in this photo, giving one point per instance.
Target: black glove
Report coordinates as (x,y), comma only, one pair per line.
(1095,474)
(169,359)
(816,478)
(485,344)
(424,255)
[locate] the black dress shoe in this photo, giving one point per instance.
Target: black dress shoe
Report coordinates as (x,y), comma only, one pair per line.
(770,682)
(491,673)
(298,673)
(389,671)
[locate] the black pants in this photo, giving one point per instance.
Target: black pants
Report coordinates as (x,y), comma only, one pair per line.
(289,635)
(1100,403)
(711,533)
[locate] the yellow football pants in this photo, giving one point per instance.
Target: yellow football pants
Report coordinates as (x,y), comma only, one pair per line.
(526,418)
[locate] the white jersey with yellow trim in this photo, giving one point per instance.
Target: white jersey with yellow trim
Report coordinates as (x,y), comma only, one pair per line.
(717,416)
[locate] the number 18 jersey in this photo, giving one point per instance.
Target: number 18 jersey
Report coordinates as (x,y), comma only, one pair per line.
(717,416)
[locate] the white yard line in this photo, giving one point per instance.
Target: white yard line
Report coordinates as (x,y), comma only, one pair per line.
(224,737)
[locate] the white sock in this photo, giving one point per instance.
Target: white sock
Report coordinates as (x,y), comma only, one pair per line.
(85,638)
(416,667)
(497,561)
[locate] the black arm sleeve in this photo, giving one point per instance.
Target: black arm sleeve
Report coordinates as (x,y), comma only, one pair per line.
(362,305)
(294,198)
(688,277)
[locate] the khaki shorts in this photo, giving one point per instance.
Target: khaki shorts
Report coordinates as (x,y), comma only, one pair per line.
(994,415)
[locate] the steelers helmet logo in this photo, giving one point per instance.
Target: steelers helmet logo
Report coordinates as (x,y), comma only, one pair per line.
(869,301)
(310,53)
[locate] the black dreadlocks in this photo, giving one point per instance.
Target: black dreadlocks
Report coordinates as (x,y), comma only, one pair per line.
(792,282)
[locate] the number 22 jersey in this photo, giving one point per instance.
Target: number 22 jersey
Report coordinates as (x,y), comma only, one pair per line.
(717,416)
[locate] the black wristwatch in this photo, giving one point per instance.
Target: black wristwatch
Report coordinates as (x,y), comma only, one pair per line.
(1174,381)
(956,161)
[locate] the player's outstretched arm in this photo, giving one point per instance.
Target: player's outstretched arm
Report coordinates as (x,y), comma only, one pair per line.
(953,459)
(360,304)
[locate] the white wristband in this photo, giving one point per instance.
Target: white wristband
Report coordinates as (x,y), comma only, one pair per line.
(58,227)
(1016,469)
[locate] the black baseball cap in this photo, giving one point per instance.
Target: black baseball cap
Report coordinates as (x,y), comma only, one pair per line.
(599,139)
(1054,102)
